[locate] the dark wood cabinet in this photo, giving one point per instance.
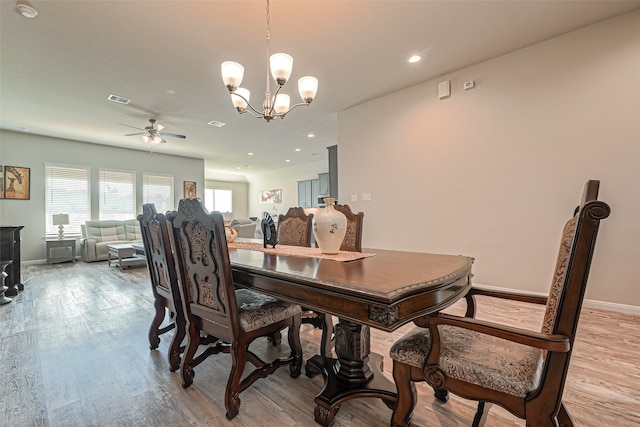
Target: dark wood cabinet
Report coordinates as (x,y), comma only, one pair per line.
(10,250)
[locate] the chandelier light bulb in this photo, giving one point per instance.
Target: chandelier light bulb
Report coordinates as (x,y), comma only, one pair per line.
(281,67)
(237,101)
(308,87)
(232,74)
(281,103)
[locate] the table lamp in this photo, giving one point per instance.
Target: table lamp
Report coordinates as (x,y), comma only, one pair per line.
(61,220)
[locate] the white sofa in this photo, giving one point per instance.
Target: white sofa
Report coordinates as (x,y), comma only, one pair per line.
(96,235)
(244,227)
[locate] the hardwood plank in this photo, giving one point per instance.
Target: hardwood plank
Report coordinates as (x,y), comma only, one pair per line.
(75,353)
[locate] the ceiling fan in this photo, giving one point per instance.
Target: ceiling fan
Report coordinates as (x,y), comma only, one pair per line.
(153,133)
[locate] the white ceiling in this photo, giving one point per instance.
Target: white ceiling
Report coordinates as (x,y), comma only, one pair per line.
(58,68)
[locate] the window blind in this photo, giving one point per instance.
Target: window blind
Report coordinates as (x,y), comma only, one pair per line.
(68,191)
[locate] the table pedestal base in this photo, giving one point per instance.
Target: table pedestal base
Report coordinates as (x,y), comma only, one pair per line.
(352,375)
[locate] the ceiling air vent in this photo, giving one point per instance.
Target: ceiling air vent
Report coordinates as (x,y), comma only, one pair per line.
(118,99)
(216,123)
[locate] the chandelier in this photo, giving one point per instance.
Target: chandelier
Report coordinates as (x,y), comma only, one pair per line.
(280,65)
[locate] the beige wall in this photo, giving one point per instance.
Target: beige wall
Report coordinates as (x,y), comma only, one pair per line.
(33,151)
(493,172)
(240,190)
(286,179)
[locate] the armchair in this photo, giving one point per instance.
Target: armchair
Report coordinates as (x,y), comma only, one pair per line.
(520,370)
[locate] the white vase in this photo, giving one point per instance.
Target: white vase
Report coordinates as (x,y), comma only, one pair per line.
(329,227)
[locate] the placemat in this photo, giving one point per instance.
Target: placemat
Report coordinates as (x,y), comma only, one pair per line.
(299,251)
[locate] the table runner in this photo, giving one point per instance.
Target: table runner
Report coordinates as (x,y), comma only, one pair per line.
(299,251)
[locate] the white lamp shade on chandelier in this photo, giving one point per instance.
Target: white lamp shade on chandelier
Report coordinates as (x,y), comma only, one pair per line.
(153,139)
(280,66)
(60,220)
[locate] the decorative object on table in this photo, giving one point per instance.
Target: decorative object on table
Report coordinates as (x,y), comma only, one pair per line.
(271,196)
(230,233)
(190,190)
(17,182)
(60,220)
(269,234)
(277,105)
(329,227)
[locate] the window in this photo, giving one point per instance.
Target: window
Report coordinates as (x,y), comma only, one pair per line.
(218,200)
(68,191)
(158,189)
(117,195)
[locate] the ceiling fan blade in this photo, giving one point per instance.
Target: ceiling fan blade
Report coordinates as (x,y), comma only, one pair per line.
(132,134)
(129,126)
(162,140)
(174,135)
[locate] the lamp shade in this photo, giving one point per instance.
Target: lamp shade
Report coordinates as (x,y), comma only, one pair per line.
(60,219)
(281,67)
(238,102)
(281,103)
(308,87)
(232,74)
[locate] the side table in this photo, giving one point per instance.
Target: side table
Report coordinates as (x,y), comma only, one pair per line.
(61,250)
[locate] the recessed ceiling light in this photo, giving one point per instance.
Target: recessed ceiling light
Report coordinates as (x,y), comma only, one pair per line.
(26,10)
(298,149)
(414,59)
(310,135)
(287,160)
(216,123)
(251,154)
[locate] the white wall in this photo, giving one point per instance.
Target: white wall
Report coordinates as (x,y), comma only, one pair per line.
(286,179)
(32,151)
(494,172)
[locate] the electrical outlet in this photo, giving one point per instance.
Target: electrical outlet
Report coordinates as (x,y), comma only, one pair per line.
(354,197)
(366,196)
(469,85)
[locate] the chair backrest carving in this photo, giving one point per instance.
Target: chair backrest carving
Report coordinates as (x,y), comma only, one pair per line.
(294,228)
(202,258)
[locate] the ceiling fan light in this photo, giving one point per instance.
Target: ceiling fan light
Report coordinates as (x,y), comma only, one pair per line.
(308,88)
(281,103)
(145,139)
(159,127)
(281,67)
(238,102)
(155,140)
(232,74)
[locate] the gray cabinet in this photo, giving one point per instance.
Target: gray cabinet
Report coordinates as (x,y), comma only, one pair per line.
(323,179)
(304,194)
(310,189)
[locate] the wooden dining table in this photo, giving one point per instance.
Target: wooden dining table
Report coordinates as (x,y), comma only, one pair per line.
(383,291)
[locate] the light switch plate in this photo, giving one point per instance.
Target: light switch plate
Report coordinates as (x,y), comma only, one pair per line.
(444,89)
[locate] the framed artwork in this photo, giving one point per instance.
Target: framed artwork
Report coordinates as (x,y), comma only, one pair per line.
(17,183)
(190,190)
(271,196)
(1,182)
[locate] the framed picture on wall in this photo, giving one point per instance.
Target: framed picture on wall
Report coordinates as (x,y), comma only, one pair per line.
(271,196)
(190,190)
(1,182)
(17,182)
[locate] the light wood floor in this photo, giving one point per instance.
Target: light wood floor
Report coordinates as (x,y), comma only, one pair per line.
(74,352)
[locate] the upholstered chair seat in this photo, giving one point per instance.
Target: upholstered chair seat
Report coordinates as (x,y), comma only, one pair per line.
(256,310)
(475,358)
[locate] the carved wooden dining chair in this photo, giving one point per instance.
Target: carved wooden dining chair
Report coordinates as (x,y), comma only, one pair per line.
(164,283)
(522,371)
(353,237)
(294,228)
(236,317)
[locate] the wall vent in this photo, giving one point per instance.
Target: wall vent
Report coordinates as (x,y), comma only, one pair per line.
(118,99)
(216,123)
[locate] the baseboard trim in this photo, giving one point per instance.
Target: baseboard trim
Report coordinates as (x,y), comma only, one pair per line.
(589,303)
